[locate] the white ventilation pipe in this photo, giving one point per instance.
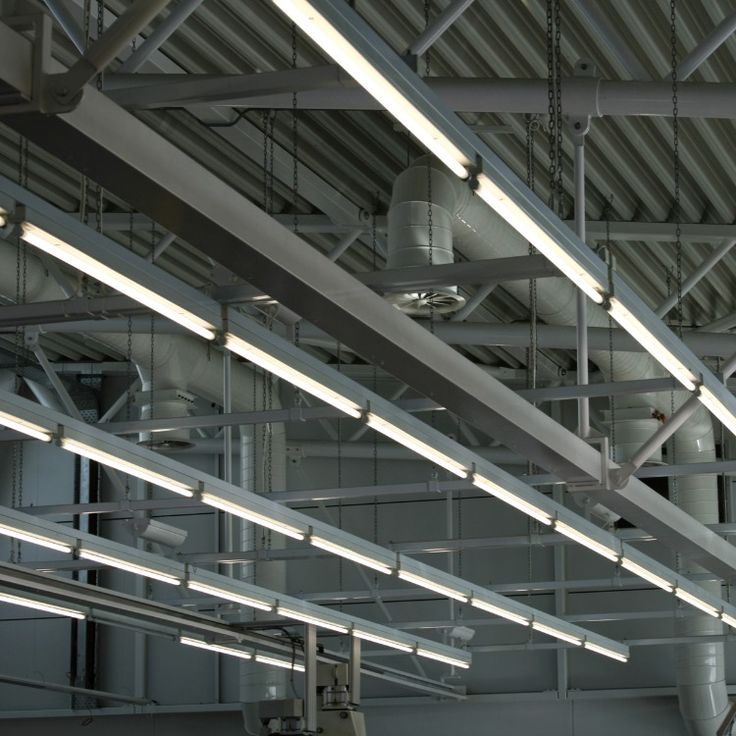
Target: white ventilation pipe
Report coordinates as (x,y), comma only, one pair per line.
(185,363)
(479,233)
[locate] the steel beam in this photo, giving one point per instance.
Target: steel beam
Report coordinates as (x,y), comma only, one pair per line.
(706,48)
(64,17)
(663,232)
(434,30)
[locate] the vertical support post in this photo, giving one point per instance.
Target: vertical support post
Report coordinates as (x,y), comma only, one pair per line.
(354,673)
(582,300)
(310,678)
(560,606)
(227,407)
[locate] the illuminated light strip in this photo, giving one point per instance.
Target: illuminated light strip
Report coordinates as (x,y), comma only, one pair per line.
(729,620)
(243,600)
(45,607)
(647,575)
(76,258)
(349,554)
(254,516)
(25,427)
(423,582)
(383,641)
(502,494)
(592,544)
(334,44)
(105,559)
(415,445)
(125,466)
(713,404)
(651,344)
(309,619)
(557,633)
(33,538)
(276,662)
(218,648)
(696,602)
(430,654)
(517,618)
(598,649)
(272,364)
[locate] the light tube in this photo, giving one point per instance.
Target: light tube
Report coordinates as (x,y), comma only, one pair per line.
(423,582)
(502,494)
(523,223)
(696,602)
(38,606)
(430,654)
(219,648)
(133,567)
(598,649)
(415,445)
(716,407)
(243,600)
(76,258)
(276,662)
(33,538)
(125,466)
(308,619)
(586,541)
(647,575)
(25,427)
(383,641)
(728,620)
(652,344)
(334,44)
(349,554)
(498,611)
(254,516)
(272,364)
(556,633)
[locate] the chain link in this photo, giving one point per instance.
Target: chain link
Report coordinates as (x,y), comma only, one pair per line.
(295,135)
(611,377)
(554,105)
(676,213)
(100,30)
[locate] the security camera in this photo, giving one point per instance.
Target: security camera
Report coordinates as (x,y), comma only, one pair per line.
(463,633)
(158,532)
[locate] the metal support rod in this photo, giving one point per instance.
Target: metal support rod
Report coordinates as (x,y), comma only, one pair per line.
(663,434)
(582,300)
(227,433)
(59,688)
(703,51)
(106,48)
(440,25)
(55,381)
(120,402)
(481,294)
(559,557)
(63,16)
(310,678)
(344,244)
(354,670)
(695,277)
(165,241)
(159,36)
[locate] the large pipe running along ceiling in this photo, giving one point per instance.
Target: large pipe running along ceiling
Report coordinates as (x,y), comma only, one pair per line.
(101,140)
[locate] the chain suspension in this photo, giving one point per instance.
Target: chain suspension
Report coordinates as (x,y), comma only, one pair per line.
(100,30)
(295,134)
(611,377)
(676,212)
(554,105)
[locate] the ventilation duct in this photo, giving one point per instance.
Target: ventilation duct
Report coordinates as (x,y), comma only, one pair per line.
(479,233)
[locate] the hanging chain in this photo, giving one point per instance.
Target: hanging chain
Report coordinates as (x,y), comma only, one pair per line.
(531,128)
(677,215)
(129,357)
(427,57)
(611,377)
(340,565)
(100,30)
(153,341)
(554,104)
(558,105)
(375,390)
(295,134)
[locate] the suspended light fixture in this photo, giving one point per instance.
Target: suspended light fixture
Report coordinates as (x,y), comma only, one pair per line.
(127,566)
(16,600)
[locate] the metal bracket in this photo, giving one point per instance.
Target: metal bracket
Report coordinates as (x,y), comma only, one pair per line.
(476,170)
(580,125)
(611,478)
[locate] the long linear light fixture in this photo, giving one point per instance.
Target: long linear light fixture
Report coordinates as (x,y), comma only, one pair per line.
(285,664)
(127,566)
(307,618)
(259,604)
(218,648)
(349,554)
(382,640)
(429,654)
(54,246)
(39,539)
(344,37)
(40,606)
(433,585)
(25,427)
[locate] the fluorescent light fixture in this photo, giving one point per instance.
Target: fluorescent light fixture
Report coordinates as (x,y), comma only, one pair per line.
(134,567)
(25,427)
(497,198)
(415,445)
(729,620)
(647,575)
(257,518)
(76,258)
(33,538)
(350,554)
(503,494)
(283,370)
(383,641)
(652,345)
(498,611)
(219,648)
(696,602)
(227,595)
(431,654)
(334,44)
(598,649)
(286,664)
(592,544)
(714,405)
(308,619)
(38,606)
(423,582)
(106,458)
(557,633)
